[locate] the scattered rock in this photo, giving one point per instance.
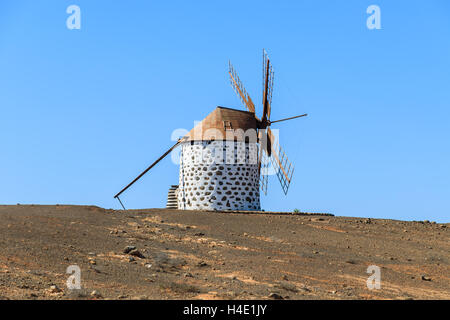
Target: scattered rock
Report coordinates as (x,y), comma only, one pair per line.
(425,278)
(96,294)
(232,294)
(136,253)
(286,286)
(128,249)
(275,296)
(54,289)
(199,234)
(306,289)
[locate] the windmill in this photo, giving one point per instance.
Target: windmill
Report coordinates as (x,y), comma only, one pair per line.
(225,158)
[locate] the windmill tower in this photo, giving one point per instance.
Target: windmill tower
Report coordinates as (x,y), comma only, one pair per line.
(225,157)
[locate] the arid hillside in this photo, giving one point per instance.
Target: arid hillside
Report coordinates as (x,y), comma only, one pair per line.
(170,254)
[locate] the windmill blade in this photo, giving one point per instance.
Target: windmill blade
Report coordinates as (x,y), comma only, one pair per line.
(280,162)
(263,168)
(240,90)
(268,76)
(146,170)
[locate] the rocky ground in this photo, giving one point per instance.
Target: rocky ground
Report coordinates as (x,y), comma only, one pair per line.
(169,254)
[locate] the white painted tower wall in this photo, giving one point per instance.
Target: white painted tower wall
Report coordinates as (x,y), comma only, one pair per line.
(219,175)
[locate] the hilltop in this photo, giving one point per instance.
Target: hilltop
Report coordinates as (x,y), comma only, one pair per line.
(216,255)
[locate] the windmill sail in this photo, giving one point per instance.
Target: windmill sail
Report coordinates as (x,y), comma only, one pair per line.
(263,170)
(240,90)
(280,162)
(268,76)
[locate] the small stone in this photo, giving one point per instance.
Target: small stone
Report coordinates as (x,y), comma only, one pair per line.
(54,289)
(202,264)
(148,265)
(425,278)
(96,294)
(131,259)
(199,234)
(136,253)
(275,296)
(128,249)
(305,288)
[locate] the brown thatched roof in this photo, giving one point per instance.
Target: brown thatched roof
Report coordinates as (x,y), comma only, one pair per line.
(224,124)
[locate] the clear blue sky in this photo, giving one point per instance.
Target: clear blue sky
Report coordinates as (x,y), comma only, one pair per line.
(82,112)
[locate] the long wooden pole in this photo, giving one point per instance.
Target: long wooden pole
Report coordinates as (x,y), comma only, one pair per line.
(146,170)
(303,115)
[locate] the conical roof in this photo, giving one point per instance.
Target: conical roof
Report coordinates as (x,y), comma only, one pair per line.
(224,124)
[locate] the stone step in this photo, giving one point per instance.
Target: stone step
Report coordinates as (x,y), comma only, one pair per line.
(172,201)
